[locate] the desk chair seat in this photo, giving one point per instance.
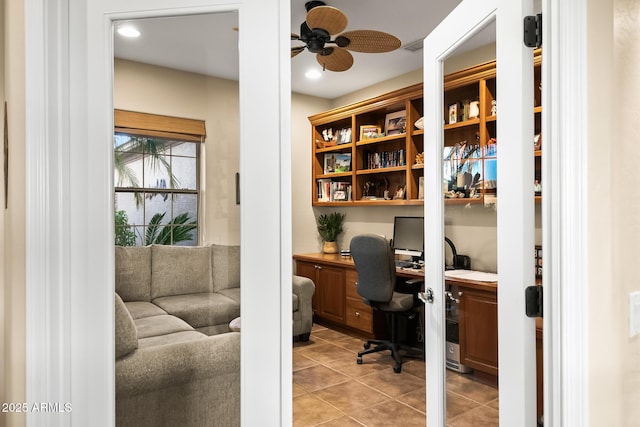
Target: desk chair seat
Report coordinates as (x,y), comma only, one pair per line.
(375,265)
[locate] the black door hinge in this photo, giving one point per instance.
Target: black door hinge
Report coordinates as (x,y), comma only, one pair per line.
(533,30)
(533,301)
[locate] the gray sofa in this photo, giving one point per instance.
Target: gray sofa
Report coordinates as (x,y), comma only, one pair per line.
(176,361)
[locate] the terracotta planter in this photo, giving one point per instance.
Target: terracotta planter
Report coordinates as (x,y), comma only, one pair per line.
(330,247)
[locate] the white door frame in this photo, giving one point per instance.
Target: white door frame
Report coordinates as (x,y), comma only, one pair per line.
(516,343)
(57,351)
(70,259)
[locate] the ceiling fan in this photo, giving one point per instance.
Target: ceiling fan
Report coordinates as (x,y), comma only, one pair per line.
(322,23)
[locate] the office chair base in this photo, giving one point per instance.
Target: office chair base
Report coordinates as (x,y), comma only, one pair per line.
(381,345)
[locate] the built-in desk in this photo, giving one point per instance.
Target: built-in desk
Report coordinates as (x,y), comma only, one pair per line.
(337,303)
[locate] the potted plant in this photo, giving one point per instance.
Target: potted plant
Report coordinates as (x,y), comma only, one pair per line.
(329,228)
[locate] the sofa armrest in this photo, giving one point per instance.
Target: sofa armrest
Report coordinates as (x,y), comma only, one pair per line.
(161,367)
(304,289)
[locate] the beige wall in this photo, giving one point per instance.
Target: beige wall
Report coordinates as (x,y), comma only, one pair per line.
(151,89)
(13,286)
(625,201)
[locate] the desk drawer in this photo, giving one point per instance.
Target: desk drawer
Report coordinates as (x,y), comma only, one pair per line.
(359,315)
(351,279)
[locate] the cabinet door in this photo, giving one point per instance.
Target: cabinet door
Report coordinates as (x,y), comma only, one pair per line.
(479,330)
(331,298)
(310,270)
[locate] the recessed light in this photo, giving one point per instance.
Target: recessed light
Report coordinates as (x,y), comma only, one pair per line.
(313,74)
(128,31)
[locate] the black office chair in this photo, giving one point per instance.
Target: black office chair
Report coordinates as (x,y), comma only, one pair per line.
(376,269)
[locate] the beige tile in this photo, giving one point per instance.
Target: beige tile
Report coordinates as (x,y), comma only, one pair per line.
(457,405)
(330,335)
(350,367)
(390,414)
(317,377)
(304,345)
(300,361)
(414,367)
(482,416)
(297,390)
(324,353)
(350,396)
(416,399)
(308,410)
(495,404)
(392,384)
(342,422)
(466,386)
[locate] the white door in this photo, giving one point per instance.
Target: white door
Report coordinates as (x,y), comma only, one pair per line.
(515,217)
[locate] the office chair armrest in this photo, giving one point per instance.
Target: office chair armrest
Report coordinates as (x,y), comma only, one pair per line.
(414,281)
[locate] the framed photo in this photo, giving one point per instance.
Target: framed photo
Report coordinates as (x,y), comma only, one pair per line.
(395,123)
(453,113)
(337,162)
(344,136)
(369,131)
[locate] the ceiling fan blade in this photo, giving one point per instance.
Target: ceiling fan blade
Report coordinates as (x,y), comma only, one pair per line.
(297,50)
(338,60)
(328,18)
(368,41)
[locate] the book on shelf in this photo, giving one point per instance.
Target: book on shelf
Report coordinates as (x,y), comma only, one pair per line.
(384,159)
(333,191)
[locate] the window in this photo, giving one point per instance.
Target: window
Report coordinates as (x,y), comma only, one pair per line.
(156,176)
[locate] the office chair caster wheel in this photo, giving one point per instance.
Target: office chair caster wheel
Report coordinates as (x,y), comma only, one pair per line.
(359,360)
(366,346)
(397,369)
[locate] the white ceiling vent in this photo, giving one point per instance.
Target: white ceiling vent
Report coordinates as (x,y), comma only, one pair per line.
(414,46)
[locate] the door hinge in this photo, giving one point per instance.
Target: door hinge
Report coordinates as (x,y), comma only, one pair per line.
(533,301)
(533,30)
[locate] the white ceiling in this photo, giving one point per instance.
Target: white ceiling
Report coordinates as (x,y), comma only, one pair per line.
(207,44)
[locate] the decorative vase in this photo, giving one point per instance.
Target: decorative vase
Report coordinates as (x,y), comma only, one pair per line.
(330,247)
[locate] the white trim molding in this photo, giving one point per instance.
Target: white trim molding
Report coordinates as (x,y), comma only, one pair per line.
(565,214)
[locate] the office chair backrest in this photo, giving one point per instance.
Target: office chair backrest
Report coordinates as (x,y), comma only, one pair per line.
(375,265)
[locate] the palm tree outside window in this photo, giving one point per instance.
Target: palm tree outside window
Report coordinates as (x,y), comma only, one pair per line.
(156,190)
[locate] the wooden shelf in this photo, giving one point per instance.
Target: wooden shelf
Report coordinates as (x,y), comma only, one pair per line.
(461,88)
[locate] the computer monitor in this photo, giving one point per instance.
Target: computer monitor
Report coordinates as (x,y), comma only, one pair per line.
(408,236)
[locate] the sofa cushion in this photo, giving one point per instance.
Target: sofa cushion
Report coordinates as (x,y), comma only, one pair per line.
(233,293)
(140,309)
(172,338)
(177,270)
(133,272)
(126,334)
(160,325)
(202,309)
(226,267)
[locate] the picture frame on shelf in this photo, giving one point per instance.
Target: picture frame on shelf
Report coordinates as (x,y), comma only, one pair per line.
(453,113)
(343,136)
(369,131)
(395,123)
(337,163)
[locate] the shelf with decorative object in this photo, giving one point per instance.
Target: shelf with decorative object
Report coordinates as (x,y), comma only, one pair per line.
(384,140)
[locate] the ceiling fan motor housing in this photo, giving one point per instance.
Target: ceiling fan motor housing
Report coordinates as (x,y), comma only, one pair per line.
(315,39)
(311,4)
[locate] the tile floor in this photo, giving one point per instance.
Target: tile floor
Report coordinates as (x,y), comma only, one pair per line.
(331,389)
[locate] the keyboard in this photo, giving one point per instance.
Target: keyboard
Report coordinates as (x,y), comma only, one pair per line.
(403,264)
